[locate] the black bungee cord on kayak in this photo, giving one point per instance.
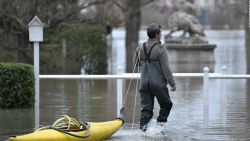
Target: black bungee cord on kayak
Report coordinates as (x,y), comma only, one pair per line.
(68,124)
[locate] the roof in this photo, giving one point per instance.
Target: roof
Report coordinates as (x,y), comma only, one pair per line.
(36,22)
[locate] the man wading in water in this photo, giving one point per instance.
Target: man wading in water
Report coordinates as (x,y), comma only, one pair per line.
(155,76)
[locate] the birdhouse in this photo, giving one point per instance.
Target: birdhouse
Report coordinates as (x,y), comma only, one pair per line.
(35,30)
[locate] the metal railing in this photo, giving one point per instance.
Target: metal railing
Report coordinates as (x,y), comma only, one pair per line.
(206,76)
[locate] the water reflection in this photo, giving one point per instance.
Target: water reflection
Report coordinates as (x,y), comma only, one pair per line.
(18,120)
(248,100)
(84,99)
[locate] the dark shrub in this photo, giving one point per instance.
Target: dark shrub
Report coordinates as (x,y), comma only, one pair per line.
(16,85)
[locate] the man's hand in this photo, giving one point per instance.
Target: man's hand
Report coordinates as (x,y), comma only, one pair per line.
(173,88)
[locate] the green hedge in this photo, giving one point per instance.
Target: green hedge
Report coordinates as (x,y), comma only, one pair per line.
(16,85)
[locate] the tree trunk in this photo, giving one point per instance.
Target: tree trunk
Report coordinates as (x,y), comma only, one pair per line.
(22,44)
(247,32)
(132,27)
(247,42)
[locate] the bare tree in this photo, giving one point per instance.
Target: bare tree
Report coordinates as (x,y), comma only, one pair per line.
(247,29)
(247,42)
(132,13)
(132,27)
(16,14)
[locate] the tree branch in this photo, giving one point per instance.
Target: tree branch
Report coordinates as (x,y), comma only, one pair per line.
(119,5)
(146,2)
(87,5)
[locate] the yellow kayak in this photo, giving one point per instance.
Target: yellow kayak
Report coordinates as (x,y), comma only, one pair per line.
(97,131)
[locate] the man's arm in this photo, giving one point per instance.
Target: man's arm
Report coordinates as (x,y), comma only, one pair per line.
(163,57)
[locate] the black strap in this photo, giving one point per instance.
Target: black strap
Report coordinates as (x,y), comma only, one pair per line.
(147,55)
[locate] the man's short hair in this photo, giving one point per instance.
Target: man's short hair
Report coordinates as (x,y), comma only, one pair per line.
(153,29)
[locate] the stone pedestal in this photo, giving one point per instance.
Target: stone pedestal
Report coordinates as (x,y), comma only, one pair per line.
(184,53)
(190,58)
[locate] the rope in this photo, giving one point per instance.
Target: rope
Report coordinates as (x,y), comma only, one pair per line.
(125,98)
(68,124)
(136,93)
(127,91)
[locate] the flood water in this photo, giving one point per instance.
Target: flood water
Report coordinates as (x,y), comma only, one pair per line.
(95,100)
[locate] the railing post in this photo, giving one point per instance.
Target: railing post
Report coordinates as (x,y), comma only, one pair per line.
(37,85)
(206,96)
(223,99)
(119,93)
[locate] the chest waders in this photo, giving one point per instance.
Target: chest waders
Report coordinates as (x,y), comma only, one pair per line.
(153,84)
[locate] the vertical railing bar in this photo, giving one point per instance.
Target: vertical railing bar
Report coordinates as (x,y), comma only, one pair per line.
(206,96)
(224,98)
